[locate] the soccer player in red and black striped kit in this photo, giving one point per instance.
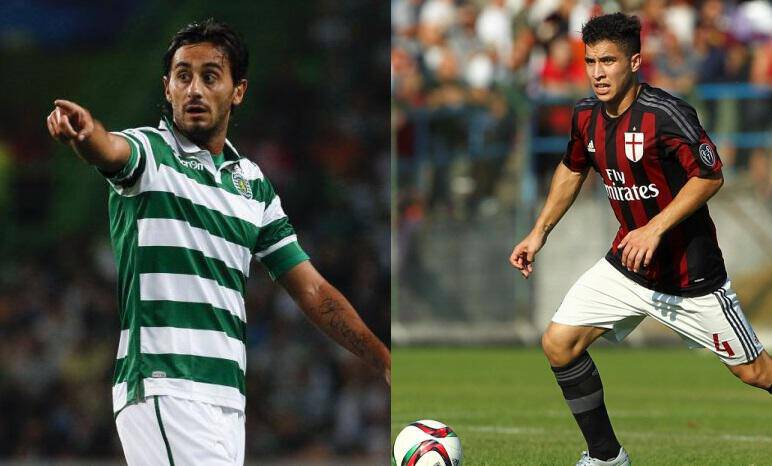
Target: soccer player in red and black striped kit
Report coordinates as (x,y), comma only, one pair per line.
(659,168)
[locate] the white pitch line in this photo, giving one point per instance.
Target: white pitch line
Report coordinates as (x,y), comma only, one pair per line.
(747,438)
(705,437)
(517,430)
(506,430)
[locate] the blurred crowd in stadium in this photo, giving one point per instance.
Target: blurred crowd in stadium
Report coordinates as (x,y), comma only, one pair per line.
(466,75)
(317,132)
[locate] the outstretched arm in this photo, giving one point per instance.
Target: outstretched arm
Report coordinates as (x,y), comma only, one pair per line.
(564,188)
(329,310)
(640,244)
(72,124)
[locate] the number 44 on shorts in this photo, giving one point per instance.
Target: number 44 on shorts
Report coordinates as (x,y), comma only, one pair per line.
(724,345)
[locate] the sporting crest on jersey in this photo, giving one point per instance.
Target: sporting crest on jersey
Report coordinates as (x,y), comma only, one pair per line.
(634,146)
(240,183)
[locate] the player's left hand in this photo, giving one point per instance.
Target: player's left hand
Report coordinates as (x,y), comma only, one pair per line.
(638,247)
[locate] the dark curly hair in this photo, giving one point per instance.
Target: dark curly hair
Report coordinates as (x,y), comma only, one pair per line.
(623,30)
(218,33)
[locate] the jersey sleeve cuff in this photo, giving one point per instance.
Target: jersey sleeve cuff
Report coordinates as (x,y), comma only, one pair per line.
(281,260)
(129,169)
(572,168)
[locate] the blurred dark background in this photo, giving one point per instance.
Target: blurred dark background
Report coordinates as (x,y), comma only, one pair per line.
(314,119)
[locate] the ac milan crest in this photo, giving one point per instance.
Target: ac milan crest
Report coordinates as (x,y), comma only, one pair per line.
(634,146)
(706,155)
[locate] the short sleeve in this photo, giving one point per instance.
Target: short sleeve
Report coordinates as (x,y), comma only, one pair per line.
(576,157)
(277,245)
(684,138)
(135,167)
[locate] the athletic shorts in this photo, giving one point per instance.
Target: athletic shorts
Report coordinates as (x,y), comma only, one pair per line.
(165,430)
(604,297)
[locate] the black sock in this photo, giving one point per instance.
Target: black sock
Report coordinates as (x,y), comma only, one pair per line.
(583,391)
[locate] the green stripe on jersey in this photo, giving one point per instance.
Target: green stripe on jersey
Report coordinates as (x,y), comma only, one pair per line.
(165,259)
(167,205)
(204,369)
(199,316)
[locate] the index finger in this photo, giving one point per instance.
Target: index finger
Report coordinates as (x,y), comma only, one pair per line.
(67,105)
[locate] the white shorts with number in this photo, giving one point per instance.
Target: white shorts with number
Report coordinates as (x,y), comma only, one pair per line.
(165,430)
(604,297)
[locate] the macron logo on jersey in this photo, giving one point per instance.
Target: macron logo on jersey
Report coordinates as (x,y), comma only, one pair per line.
(194,164)
(591,146)
(627,193)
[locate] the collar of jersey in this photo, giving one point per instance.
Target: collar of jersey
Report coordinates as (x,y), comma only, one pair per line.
(186,148)
(628,109)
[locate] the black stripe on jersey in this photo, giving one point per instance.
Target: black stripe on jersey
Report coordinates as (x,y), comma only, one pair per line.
(611,132)
(723,304)
(669,107)
(593,121)
(664,254)
(695,229)
(674,173)
(594,117)
(743,330)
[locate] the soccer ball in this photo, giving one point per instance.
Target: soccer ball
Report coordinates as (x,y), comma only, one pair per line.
(427,443)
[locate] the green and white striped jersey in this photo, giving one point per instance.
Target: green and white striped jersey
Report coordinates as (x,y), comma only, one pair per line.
(184,233)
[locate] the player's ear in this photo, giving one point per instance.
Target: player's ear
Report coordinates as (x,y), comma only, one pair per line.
(165,81)
(635,62)
(238,92)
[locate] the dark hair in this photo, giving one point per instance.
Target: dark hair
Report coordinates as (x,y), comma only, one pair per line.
(623,30)
(218,33)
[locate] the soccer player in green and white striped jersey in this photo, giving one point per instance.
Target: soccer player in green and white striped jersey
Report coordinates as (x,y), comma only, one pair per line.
(187,215)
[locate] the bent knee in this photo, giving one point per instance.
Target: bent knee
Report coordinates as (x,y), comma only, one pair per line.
(754,374)
(559,351)
(564,343)
(750,377)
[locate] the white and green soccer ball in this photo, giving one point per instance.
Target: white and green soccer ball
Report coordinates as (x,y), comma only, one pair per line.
(427,443)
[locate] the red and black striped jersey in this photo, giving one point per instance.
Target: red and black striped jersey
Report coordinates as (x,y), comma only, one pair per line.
(644,157)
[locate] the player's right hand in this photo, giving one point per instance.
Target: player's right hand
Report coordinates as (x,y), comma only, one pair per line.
(523,254)
(69,122)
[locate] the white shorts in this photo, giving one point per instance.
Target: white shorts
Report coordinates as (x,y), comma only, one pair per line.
(604,297)
(165,430)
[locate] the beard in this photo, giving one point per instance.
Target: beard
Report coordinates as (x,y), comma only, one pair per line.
(198,131)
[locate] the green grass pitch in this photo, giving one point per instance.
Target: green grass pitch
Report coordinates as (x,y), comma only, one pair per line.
(668,406)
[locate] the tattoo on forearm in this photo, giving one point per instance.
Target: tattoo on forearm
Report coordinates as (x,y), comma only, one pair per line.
(332,311)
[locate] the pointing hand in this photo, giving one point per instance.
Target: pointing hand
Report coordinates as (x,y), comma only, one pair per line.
(69,122)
